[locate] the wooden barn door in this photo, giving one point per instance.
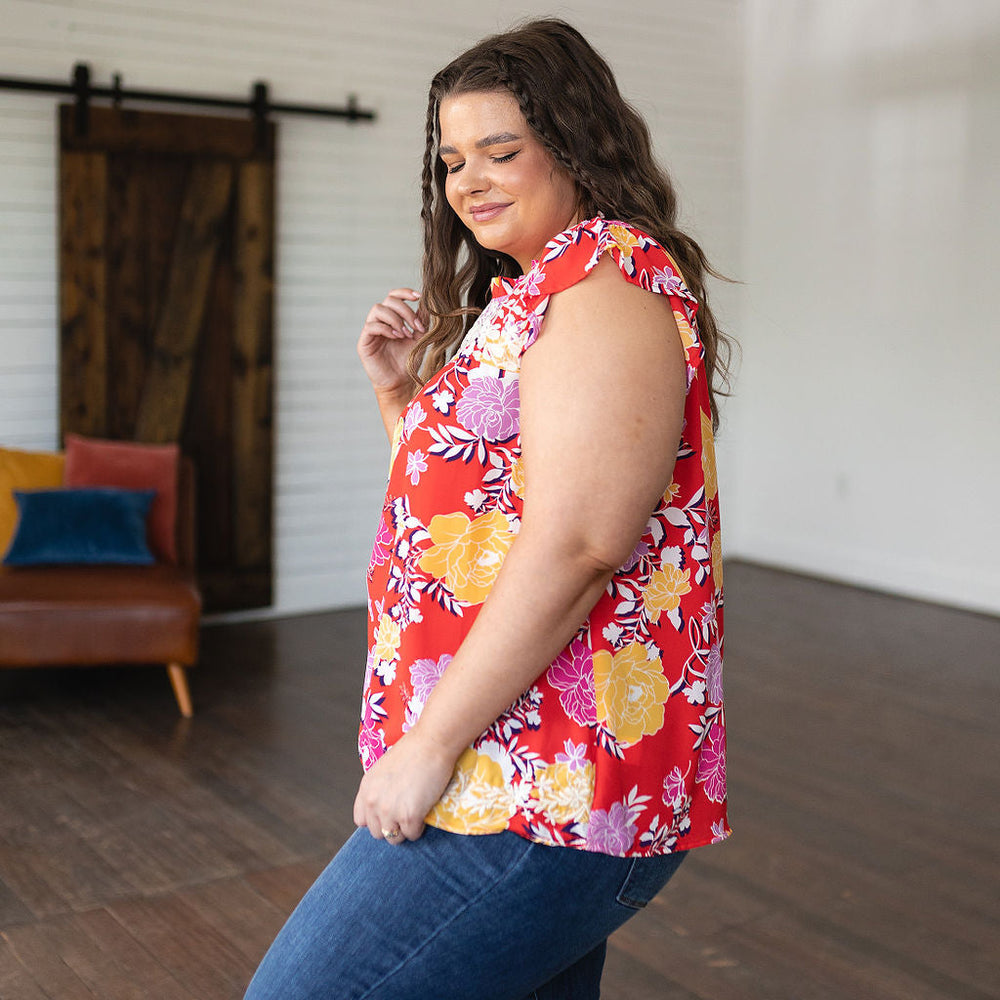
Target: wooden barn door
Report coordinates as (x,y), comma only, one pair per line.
(166,251)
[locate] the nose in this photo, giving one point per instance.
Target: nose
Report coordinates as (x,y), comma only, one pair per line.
(472,178)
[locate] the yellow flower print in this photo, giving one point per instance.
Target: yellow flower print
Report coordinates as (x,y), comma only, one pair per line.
(673,492)
(708,456)
(664,591)
(500,350)
(631,692)
(717,560)
(624,240)
(466,554)
(684,328)
(517,477)
(386,639)
(397,439)
(565,795)
(477,800)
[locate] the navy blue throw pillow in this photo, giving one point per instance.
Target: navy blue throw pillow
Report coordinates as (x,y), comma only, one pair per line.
(93,526)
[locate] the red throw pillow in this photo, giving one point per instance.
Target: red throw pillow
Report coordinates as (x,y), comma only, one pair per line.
(132,466)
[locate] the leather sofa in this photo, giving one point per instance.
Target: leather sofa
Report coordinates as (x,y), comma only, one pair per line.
(91,615)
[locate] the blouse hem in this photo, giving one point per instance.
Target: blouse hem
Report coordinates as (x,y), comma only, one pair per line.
(679,849)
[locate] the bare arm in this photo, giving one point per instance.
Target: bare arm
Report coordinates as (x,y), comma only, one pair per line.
(602,399)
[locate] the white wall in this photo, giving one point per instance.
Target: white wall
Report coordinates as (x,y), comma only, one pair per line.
(348,199)
(867,442)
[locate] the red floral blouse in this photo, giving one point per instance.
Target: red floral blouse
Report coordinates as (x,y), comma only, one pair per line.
(620,745)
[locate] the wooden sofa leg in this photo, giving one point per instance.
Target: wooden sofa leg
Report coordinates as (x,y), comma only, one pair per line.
(178,680)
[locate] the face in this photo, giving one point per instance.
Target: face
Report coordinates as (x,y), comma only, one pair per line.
(502,183)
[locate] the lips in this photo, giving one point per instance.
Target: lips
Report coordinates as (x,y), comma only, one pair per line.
(483,213)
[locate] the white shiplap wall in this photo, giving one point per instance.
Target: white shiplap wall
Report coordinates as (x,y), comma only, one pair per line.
(868,404)
(348,199)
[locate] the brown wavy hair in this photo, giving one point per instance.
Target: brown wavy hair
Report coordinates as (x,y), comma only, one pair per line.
(570,100)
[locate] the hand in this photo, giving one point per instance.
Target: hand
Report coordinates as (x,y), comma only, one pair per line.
(386,342)
(402,787)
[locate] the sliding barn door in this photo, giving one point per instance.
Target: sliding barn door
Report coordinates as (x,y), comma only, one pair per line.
(166,257)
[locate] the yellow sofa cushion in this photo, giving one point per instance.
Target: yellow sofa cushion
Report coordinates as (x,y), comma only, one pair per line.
(24,470)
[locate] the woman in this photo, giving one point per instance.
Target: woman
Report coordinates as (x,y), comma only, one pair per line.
(542,728)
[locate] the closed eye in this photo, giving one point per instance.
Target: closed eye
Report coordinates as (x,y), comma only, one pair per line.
(506,158)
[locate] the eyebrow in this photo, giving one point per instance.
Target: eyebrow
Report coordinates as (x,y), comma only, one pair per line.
(490,140)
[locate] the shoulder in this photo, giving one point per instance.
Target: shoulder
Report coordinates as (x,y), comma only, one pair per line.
(605,299)
(603,289)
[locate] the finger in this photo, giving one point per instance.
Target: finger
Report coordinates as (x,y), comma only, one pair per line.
(412,831)
(400,319)
(391,833)
(372,332)
(382,312)
(404,311)
(397,301)
(364,808)
(377,826)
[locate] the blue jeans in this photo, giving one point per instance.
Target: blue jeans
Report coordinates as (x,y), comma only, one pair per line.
(453,917)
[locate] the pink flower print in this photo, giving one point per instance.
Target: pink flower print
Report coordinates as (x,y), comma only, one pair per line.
(531,279)
(416,462)
(713,674)
(575,755)
(371,745)
(712,764)
(664,280)
(610,832)
(412,714)
(534,328)
(641,550)
(709,614)
(674,787)
(490,407)
(572,675)
(719,831)
(424,675)
(369,671)
(383,544)
(415,416)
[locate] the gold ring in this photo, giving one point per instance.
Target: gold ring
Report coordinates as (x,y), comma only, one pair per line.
(391,834)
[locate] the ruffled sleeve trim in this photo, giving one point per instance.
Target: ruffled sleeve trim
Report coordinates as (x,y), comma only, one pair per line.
(573,254)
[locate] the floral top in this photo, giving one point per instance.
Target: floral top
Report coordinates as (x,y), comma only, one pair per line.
(619,746)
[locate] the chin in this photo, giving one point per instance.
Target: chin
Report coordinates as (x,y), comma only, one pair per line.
(494,246)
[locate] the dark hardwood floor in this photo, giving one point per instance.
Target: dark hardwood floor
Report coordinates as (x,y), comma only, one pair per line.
(144,856)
